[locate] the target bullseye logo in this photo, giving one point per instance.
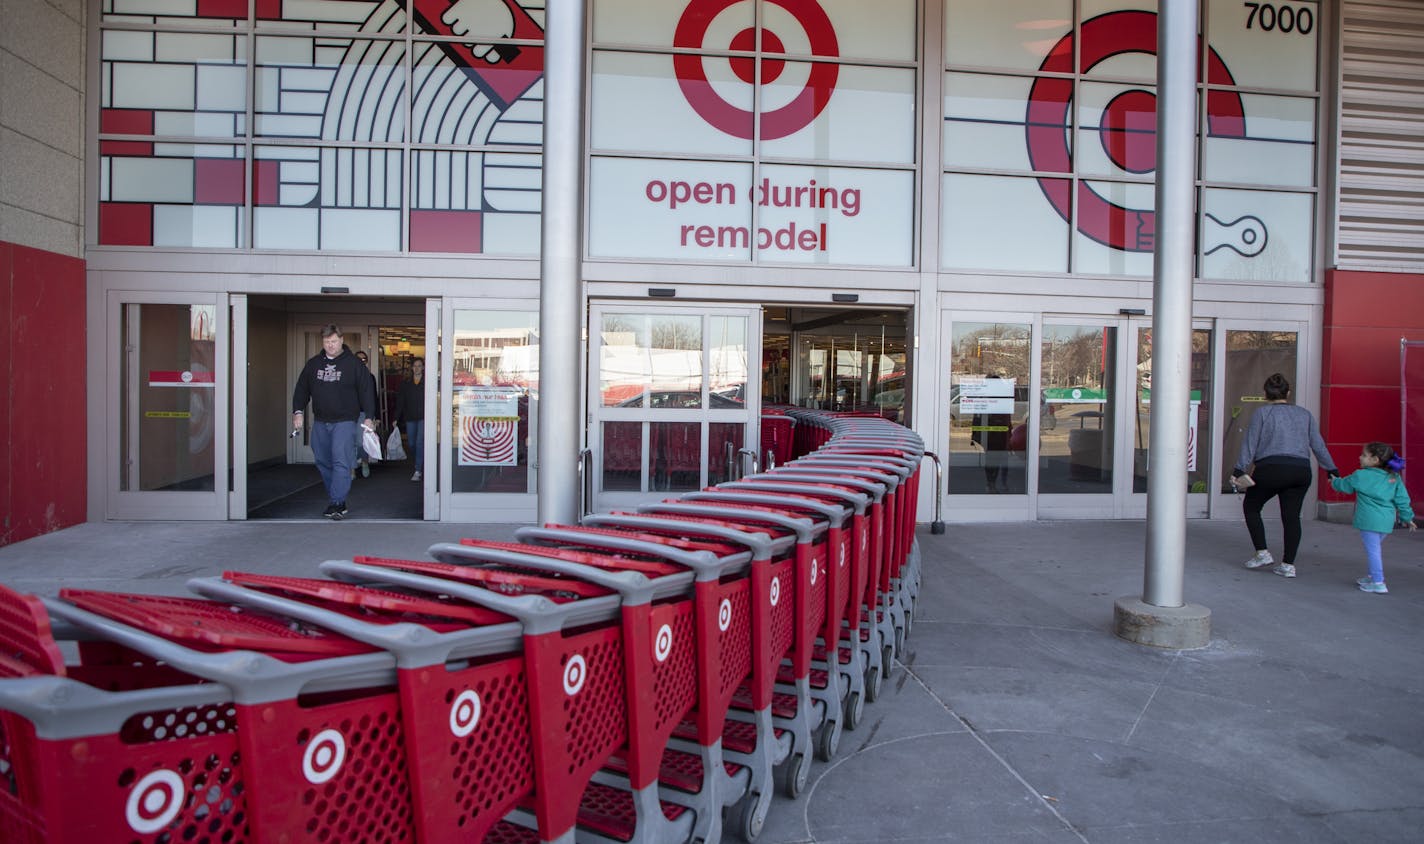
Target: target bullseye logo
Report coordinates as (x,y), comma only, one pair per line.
(1128,130)
(797,114)
(662,643)
(154,801)
(465,713)
(724,615)
(775,590)
(815,567)
(575,673)
(841,560)
(324,756)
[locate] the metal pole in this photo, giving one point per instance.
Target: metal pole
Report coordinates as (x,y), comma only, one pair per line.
(1172,303)
(560,288)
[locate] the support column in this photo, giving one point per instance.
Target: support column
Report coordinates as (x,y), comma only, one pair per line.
(560,287)
(1161,618)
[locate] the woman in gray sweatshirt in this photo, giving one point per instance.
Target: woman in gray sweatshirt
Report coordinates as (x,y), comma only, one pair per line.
(1277,449)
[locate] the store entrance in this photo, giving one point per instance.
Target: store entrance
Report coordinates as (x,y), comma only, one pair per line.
(282,481)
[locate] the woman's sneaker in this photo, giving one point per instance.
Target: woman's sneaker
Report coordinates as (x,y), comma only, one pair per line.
(1367,585)
(1261,560)
(1284,570)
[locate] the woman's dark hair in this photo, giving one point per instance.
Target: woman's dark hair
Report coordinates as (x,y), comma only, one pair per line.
(1384,453)
(1277,387)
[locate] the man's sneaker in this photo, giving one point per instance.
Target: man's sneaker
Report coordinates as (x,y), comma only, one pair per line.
(1284,570)
(1367,585)
(1261,560)
(330,512)
(416,476)
(340,511)
(365,469)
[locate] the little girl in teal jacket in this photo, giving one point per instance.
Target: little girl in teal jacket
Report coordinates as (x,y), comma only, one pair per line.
(1380,499)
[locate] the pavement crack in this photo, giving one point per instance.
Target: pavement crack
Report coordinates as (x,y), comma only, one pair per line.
(1156,687)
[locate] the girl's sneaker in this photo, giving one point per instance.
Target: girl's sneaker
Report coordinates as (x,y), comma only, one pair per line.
(1284,570)
(1261,560)
(1367,585)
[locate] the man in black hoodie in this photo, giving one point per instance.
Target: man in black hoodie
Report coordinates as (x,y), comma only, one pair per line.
(333,381)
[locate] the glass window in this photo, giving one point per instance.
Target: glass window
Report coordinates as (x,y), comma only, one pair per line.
(167,398)
(327,198)
(1266,45)
(623,84)
(989,408)
(495,397)
(651,361)
(1251,358)
(184,195)
(833,112)
(1273,144)
(835,215)
(1256,235)
(1011,34)
(1003,223)
(647,208)
(984,122)
(329,89)
(1075,439)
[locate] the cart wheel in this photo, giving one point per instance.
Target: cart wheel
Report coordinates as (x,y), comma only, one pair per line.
(873,680)
(828,741)
(855,707)
(888,659)
(746,819)
(792,776)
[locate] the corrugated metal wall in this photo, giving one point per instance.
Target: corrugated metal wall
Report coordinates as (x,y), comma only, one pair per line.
(1381,179)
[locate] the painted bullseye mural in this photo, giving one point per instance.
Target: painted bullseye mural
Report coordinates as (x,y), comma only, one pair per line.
(1128,130)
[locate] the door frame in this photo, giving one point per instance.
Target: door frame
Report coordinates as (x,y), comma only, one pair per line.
(596,414)
(175,506)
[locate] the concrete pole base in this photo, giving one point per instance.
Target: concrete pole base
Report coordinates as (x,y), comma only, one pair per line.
(1180,628)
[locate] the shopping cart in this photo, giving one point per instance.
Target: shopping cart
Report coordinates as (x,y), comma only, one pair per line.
(315,710)
(460,671)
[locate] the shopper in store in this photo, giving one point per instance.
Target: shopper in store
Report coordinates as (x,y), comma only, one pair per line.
(410,410)
(1275,463)
(1380,501)
(363,464)
(340,391)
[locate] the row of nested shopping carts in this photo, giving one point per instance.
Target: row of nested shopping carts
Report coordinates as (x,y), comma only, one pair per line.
(648,676)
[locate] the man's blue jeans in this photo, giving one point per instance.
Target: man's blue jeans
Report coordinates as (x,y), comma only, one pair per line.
(415,432)
(331,445)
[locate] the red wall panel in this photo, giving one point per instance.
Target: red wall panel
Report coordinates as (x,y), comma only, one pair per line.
(42,488)
(1366,315)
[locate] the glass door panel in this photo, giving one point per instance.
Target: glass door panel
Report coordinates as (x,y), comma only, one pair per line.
(672,400)
(1251,357)
(989,409)
(170,445)
(1199,438)
(491,404)
(1079,385)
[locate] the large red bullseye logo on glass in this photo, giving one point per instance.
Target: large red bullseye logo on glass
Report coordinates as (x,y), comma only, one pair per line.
(797,114)
(1128,131)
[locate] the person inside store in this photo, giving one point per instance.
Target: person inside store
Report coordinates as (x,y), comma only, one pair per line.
(341,391)
(1275,463)
(363,464)
(410,410)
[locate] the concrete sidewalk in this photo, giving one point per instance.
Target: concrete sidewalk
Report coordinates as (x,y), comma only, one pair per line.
(1016,715)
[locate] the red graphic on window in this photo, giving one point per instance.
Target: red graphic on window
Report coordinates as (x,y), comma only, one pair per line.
(488,442)
(502,71)
(796,115)
(1129,126)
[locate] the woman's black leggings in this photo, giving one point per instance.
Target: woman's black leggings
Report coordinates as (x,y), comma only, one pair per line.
(1288,481)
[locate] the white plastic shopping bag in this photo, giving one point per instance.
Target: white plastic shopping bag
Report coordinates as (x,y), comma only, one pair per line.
(394,449)
(371,444)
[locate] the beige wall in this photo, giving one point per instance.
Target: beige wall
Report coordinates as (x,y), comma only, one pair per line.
(42,77)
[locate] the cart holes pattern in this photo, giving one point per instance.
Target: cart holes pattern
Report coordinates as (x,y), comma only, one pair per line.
(596,721)
(736,650)
(365,794)
(675,675)
(493,765)
(175,724)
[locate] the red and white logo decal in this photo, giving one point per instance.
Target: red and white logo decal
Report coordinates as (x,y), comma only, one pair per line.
(575,673)
(154,801)
(724,615)
(662,644)
(324,756)
(796,115)
(465,713)
(775,590)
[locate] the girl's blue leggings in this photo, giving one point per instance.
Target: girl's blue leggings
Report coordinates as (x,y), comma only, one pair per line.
(1372,540)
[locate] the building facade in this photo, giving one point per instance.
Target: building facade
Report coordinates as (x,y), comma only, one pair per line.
(939,211)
